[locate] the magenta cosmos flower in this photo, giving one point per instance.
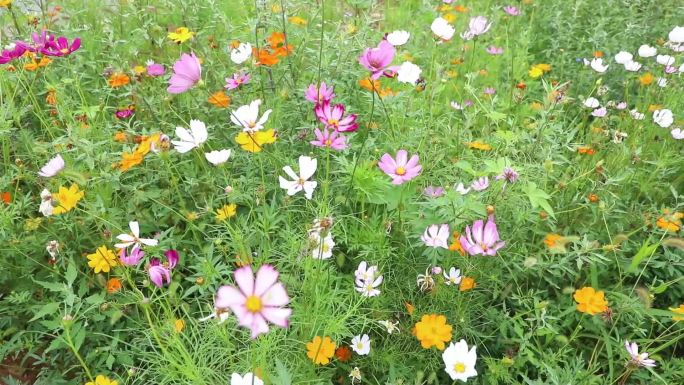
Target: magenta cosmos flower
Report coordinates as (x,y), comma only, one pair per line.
(332,139)
(400,169)
(160,272)
(378,59)
(333,117)
(16,50)
(186,73)
(133,258)
(237,80)
(511,10)
(482,239)
(155,69)
(319,95)
(60,47)
(256,302)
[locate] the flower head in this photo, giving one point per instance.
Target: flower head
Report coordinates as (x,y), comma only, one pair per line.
(320,350)
(361,345)
(52,167)
(401,169)
(459,362)
(509,175)
(637,359)
(433,192)
(60,46)
(590,301)
(433,330)
(241,53)
(247,379)
(46,208)
(480,184)
(155,69)
(254,141)
(67,199)
(664,118)
(322,247)
(408,73)
(436,236)
(482,239)
(377,59)
(186,73)
(237,80)
(307,167)
(133,258)
(511,10)
(102,380)
(192,138)
(477,26)
(453,277)
(247,117)
(217,157)
(398,38)
(319,95)
(493,50)
(442,29)
(102,260)
(367,280)
(180,35)
(333,117)
(331,139)
(133,239)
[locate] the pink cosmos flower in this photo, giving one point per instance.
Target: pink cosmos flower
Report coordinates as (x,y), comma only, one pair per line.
(433,192)
(327,138)
(511,10)
(60,47)
(256,302)
(377,60)
(600,112)
(159,272)
(436,236)
(155,69)
(52,167)
(508,174)
(16,51)
(124,113)
(636,358)
(237,80)
(492,50)
(133,258)
(477,26)
(480,184)
(319,95)
(333,117)
(186,73)
(483,239)
(400,169)
(489,91)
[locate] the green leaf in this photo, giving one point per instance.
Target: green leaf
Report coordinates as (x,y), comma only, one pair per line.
(539,198)
(48,308)
(52,286)
(283,374)
(71,273)
(646,250)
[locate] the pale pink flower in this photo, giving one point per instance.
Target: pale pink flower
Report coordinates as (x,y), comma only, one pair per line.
(186,73)
(327,138)
(436,236)
(133,258)
(433,192)
(400,169)
(636,358)
(511,10)
(256,302)
(237,80)
(52,167)
(480,184)
(477,26)
(319,95)
(482,239)
(493,50)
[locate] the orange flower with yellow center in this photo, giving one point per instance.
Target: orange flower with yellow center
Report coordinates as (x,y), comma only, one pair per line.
(590,301)
(466,284)
(433,330)
(118,79)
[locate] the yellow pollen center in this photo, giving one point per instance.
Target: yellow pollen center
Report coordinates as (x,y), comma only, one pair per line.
(253,304)
(400,171)
(333,122)
(300,182)
(459,367)
(325,248)
(328,142)
(64,50)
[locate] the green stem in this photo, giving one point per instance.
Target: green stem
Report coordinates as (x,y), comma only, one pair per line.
(70,343)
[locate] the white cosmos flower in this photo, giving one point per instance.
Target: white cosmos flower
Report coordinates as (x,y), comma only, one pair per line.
(192,138)
(133,239)
(598,66)
(591,102)
(367,280)
(665,60)
(398,38)
(647,51)
(461,189)
(247,117)
(633,66)
(459,362)
(662,82)
(217,157)
(307,167)
(408,73)
(623,57)
(436,236)
(45,203)
(365,273)
(636,115)
(361,344)
(677,35)
(453,277)
(247,379)
(663,118)
(677,133)
(322,248)
(390,326)
(681,68)
(442,29)
(240,54)
(52,167)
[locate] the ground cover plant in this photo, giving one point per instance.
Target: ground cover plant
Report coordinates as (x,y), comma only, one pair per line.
(313,192)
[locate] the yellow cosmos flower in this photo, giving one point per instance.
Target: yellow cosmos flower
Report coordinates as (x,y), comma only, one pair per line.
(678,310)
(67,199)
(297,20)
(433,330)
(479,146)
(5,3)
(179,325)
(102,260)
(320,350)
(139,70)
(181,35)
(670,222)
(646,79)
(226,212)
(590,301)
(535,72)
(102,380)
(253,142)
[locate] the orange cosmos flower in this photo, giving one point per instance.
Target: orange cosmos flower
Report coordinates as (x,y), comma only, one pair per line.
(590,301)
(466,284)
(265,57)
(275,39)
(433,330)
(118,79)
(113,285)
(670,222)
(646,79)
(343,353)
(219,99)
(7,197)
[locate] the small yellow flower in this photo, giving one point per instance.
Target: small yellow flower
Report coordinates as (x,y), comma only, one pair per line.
(449,17)
(535,72)
(139,70)
(253,142)
(678,310)
(67,199)
(320,350)
(191,216)
(181,35)
(226,212)
(433,330)
(32,223)
(102,380)
(590,301)
(479,146)
(670,222)
(544,67)
(297,20)
(178,325)
(102,260)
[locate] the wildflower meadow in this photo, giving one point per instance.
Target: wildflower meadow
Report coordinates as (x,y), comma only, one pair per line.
(233,192)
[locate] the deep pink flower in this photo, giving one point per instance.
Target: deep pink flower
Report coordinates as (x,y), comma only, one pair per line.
(186,73)
(7,55)
(401,170)
(124,113)
(60,47)
(255,302)
(41,40)
(237,80)
(333,117)
(133,258)
(332,139)
(376,60)
(155,69)
(159,272)
(483,239)
(320,94)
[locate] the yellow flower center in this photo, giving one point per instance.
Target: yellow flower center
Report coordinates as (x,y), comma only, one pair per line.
(325,248)
(251,124)
(333,122)
(459,367)
(64,51)
(328,142)
(400,171)
(253,304)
